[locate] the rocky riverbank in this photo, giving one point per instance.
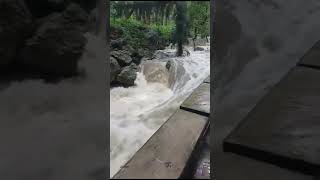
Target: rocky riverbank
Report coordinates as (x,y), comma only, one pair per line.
(128,51)
(43,38)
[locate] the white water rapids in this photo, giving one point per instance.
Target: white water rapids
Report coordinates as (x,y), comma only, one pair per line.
(137,112)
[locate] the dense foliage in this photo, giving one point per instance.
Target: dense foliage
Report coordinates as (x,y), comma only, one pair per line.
(135,32)
(173,21)
(199,18)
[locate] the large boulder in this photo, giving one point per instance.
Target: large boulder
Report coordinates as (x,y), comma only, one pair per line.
(15,26)
(128,75)
(117,44)
(122,56)
(114,69)
(58,43)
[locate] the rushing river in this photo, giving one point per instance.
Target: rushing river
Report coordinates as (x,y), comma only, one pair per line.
(137,112)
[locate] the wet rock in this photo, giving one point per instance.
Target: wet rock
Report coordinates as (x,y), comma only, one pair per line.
(122,56)
(15,26)
(58,43)
(135,67)
(198,49)
(136,57)
(128,75)
(114,69)
(185,52)
(145,59)
(168,64)
(136,60)
(163,55)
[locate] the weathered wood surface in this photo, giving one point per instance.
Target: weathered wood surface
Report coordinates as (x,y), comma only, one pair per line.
(199,100)
(166,153)
(312,57)
(284,128)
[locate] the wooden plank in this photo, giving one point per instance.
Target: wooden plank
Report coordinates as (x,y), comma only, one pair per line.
(312,57)
(283,128)
(199,100)
(207,80)
(166,153)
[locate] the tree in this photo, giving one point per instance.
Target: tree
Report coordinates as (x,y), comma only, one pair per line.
(199,16)
(181,25)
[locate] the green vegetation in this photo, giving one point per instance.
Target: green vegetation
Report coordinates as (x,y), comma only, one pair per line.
(199,19)
(168,21)
(136,32)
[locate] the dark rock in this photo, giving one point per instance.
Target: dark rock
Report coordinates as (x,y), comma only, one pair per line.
(186,52)
(114,69)
(122,56)
(42,8)
(168,64)
(128,48)
(136,57)
(58,43)
(135,66)
(128,75)
(198,49)
(144,53)
(117,44)
(15,26)
(136,60)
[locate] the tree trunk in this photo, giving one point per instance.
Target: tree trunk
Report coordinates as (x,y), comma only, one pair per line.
(180,25)
(194,38)
(130,13)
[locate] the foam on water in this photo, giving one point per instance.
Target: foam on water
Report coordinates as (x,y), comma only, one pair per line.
(137,112)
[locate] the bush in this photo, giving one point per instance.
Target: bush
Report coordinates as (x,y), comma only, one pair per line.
(134,32)
(164,31)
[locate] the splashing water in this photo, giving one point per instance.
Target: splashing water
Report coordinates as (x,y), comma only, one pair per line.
(137,112)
